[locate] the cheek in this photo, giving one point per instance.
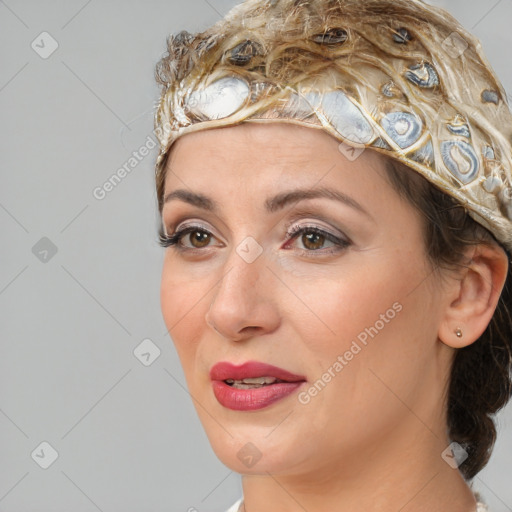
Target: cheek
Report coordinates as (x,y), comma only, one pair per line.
(361,341)
(383,326)
(184,305)
(368,316)
(343,306)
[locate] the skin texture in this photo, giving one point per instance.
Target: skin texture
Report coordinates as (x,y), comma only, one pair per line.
(372,438)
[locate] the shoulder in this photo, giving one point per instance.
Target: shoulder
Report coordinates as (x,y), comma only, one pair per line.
(234,507)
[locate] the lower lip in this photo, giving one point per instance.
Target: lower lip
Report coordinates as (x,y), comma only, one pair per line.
(252,399)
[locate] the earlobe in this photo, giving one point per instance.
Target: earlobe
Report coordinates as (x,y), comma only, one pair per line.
(474,296)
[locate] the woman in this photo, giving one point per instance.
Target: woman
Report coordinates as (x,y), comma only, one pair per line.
(334,181)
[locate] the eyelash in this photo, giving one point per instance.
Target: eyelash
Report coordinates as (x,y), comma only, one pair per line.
(293,233)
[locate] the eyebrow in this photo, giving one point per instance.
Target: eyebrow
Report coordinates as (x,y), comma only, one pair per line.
(272,204)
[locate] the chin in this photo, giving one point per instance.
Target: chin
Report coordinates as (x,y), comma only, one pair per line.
(250,450)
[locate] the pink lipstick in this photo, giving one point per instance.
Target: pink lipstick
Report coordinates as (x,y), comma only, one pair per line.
(252,385)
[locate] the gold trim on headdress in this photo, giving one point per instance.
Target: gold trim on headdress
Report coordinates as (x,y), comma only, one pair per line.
(398,76)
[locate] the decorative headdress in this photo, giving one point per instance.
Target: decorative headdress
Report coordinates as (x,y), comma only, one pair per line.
(398,76)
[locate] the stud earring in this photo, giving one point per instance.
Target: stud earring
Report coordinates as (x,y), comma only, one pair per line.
(458,332)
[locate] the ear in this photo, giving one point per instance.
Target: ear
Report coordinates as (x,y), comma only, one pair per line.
(473,296)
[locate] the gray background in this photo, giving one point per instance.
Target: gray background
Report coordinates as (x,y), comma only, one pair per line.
(127,434)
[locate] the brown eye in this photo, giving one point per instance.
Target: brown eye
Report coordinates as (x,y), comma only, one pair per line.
(187,239)
(199,239)
(312,240)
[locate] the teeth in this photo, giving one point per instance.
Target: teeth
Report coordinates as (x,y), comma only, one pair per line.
(252,383)
(259,380)
(254,380)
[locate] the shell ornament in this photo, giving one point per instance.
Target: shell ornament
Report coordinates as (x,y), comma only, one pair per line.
(403,127)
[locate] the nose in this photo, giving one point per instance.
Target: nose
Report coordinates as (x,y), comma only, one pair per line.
(244,302)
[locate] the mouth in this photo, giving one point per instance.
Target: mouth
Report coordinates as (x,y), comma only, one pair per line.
(252,385)
(252,374)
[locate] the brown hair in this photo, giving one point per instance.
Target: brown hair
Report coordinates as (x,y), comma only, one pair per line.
(481,375)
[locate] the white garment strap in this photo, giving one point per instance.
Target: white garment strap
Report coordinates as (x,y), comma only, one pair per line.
(235,506)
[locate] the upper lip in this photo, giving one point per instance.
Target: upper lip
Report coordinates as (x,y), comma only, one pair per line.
(251,369)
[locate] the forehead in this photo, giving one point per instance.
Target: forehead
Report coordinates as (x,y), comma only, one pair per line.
(282,138)
(257,148)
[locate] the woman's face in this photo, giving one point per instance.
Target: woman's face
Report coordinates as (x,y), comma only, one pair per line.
(349,303)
